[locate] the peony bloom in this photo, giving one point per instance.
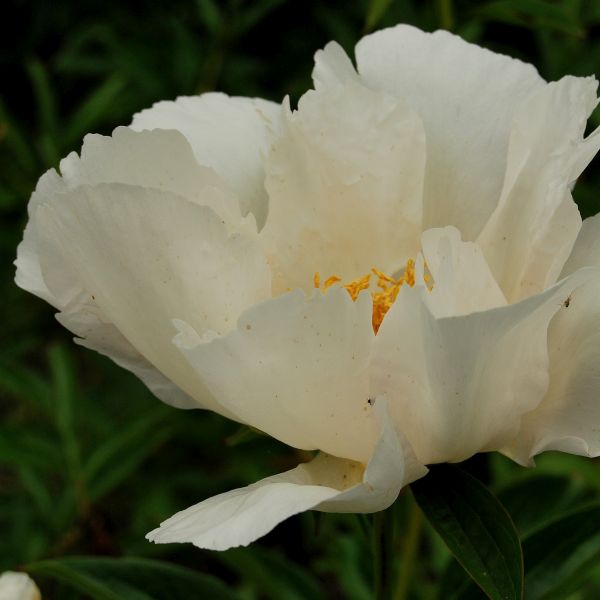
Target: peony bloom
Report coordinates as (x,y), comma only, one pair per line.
(18,586)
(394,274)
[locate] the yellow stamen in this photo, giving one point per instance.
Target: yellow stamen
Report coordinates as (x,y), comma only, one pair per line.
(331,281)
(354,288)
(383,299)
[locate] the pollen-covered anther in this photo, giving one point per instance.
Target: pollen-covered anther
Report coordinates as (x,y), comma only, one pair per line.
(382,298)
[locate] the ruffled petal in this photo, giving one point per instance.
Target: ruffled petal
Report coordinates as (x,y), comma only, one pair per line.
(297,369)
(344,181)
(462,280)
(568,416)
(124,261)
(467,97)
(329,484)
(460,385)
(530,235)
(153,159)
(229,134)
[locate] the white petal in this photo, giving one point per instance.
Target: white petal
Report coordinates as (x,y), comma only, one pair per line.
(463,282)
(135,259)
(530,235)
(345,182)
(297,369)
(586,251)
(568,418)
(155,159)
(467,97)
(18,586)
(229,134)
(330,484)
(460,385)
(333,66)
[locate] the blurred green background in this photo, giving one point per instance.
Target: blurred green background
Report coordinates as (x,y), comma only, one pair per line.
(89,460)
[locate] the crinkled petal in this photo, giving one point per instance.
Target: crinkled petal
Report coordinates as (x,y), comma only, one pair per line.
(460,385)
(530,235)
(467,97)
(463,282)
(297,369)
(153,159)
(568,417)
(18,586)
(329,484)
(344,181)
(133,259)
(156,159)
(229,134)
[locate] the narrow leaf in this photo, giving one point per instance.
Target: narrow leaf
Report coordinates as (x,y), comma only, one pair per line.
(272,575)
(560,554)
(131,578)
(475,527)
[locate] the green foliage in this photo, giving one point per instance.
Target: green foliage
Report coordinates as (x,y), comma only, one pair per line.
(132,578)
(476,528)
(90,462)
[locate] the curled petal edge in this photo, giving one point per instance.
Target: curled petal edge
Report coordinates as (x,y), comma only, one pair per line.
(327,484)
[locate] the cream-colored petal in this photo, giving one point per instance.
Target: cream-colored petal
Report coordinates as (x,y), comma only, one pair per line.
(297,369)
(333,66)
(229,134)
(344,181)
(137,258)
(586,251)
(467,97)
(155,159)
(568,418)
(460,385)
(18,586)
(463,282)
(329,484)
(530,235)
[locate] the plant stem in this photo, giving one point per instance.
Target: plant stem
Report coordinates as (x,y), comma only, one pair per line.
(383,540)
(408,552)
(446,14)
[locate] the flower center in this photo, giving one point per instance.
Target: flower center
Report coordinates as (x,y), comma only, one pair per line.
(384,297)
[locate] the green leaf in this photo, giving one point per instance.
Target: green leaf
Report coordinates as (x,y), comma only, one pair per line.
(131,579)
(210,15)
(47,111)
(376,10)
(65,396)
(254,13)
(536,499)
(114,460)
(476,528)
(273,576)
(533,14)
(93,110)
(560,554)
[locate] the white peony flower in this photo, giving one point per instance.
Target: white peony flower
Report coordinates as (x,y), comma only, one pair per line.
(394,273)
(18,586)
